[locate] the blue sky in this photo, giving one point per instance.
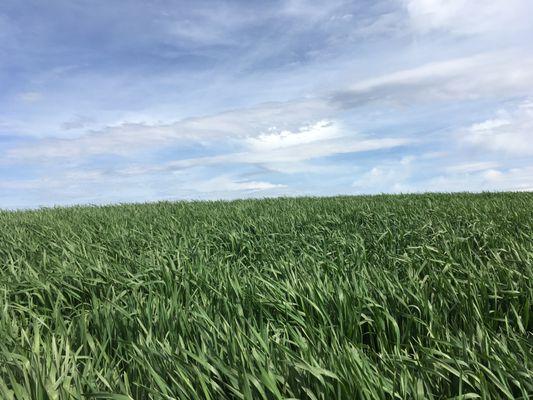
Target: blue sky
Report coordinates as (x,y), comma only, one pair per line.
(131,101)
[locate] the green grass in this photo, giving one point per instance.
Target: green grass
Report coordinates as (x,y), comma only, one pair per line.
(407,297)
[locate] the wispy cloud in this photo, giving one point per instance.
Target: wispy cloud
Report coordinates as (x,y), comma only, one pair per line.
(472,167)
(472,77)
(299,153)
(515,179)
(509,132)
(480,76)
(286,157)
(144,100)
(387,177)
(130,138)
(468,16)
(224,183)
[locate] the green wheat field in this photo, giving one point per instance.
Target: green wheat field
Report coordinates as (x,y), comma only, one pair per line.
(372,297)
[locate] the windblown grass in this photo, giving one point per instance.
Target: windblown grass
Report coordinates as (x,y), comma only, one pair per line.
(412,296)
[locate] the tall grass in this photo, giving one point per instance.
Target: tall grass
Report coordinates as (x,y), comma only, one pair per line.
(406,297)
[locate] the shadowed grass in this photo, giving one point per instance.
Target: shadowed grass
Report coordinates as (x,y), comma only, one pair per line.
(382,297)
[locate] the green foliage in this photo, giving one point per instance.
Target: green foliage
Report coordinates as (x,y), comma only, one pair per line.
(382,297)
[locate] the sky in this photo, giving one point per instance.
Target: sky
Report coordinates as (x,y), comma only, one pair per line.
(134,101)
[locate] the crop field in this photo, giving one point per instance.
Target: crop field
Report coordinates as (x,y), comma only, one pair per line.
(372,297)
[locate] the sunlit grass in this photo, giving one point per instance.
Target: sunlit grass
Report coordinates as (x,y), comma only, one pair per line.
(421,296)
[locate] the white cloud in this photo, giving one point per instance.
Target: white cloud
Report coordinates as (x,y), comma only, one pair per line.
(325,84)
(481,76)
(212,25)
(281,152)
(403,176)
(291,143)
(227,183)
(321,130)
(423,73)
(388,177)
(514,179)
(509,132)
(221,23)
(468,16)
(471,167)
(388,23)
(131,138)
(493,175)
(489,75)
(298,153)
(100,186)
(311,10)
